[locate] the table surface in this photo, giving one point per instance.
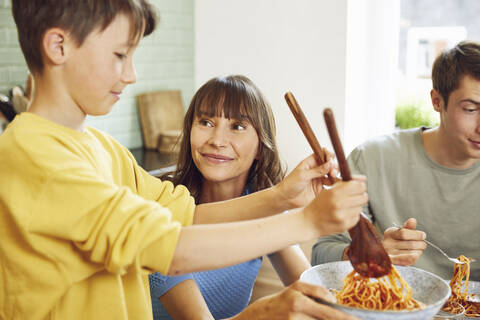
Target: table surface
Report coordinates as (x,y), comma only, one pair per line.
(154,162)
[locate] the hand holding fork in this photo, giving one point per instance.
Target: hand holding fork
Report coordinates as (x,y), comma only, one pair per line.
(404,244)
(410,225)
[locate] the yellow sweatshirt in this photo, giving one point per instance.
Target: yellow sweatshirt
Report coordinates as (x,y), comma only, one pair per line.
(76,214)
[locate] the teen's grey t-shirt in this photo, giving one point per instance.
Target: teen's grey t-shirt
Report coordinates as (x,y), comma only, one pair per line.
(403,182)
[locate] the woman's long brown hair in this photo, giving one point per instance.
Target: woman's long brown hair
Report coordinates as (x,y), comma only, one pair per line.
(236,97)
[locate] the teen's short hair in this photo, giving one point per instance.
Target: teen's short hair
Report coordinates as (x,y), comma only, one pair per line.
(79,17)
(451,65)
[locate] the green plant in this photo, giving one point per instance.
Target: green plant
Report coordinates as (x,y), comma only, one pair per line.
(414,114)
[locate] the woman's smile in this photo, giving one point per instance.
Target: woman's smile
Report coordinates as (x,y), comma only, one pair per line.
(217,158)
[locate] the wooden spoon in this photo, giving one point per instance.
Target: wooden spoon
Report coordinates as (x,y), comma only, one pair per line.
(366,252)
(307,131)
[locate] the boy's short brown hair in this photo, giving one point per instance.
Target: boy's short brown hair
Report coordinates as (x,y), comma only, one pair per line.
(79,17)
(451,65)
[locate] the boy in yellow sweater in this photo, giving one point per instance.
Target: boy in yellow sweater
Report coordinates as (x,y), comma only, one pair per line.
(82,224)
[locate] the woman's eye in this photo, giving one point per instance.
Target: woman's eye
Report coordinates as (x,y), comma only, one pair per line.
(205,122)
(239,126)
(121,56)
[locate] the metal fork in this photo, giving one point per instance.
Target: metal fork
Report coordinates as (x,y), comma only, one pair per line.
(454,260)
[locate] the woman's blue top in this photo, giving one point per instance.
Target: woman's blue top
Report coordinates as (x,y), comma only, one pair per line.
(226,291)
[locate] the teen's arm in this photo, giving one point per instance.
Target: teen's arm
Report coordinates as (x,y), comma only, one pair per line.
(205,247)
(330,248)
(404,245)
(289,263)
(296,190)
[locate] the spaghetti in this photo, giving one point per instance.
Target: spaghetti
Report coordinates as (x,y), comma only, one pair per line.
(461,271)
(390,292)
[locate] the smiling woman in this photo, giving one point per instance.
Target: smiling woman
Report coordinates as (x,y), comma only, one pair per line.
(228,149)
(223,150)
(229,117)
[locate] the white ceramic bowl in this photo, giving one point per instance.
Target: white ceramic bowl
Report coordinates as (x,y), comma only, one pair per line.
(427,288)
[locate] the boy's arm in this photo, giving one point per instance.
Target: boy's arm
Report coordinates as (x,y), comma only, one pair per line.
(204,247)
(296,190)
(212,246)
(255,205)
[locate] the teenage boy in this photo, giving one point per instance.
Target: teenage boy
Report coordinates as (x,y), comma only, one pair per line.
(82,224)
(430,174)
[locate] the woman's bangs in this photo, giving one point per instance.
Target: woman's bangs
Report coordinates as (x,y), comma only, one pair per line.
(238,106)
(225,103)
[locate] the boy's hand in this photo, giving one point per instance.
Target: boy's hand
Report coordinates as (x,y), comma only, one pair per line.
(306,181)
(404,245)
(294,302)
(337,209)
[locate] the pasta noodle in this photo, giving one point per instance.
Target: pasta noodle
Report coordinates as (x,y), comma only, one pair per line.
(461,271)
(390,292)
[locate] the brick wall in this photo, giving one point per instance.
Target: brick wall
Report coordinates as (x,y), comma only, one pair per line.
(164,60)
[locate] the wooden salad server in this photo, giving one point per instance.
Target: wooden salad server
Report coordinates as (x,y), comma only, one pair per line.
(308,132)
(366,251)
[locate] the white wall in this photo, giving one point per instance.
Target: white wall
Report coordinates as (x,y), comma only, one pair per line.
(372,63)
(303,46)
(282,46)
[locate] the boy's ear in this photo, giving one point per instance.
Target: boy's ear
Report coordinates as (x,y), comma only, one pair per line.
(54,45)
(437,100)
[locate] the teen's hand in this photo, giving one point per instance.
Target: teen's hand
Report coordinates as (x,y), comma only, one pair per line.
(294,303)
(338,208)
(306,181)
(404,245)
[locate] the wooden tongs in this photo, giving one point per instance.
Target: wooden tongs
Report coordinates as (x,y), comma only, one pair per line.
(302,121)
(366,252)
